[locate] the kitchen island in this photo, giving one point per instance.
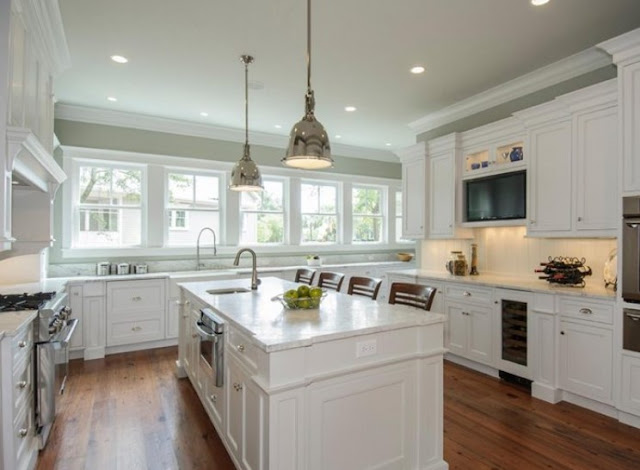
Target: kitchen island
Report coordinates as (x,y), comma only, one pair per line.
(352,385)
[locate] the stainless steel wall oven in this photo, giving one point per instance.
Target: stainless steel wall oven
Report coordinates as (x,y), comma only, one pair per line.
(210,328)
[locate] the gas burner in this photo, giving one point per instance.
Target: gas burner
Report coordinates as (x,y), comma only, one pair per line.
(14,302)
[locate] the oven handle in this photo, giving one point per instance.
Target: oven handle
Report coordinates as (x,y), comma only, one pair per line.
(633,316)
(632,222)
(204,334)
(71,327)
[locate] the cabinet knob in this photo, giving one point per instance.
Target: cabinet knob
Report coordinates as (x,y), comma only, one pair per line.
(496,302)
(136,298)
(213,398)
(22,344)
(532,222)
(450,225)
(237,387)
(579,219)
(75,294)
(22,384)
(22,432)
(586,311)
(194,335)
(466,294)
(562,332)
(136,328)
(240,347)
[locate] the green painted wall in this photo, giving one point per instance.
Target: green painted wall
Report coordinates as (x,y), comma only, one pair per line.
(81,134)
(505,110)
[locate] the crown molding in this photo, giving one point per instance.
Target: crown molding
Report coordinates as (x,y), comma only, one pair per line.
(446,143)
(623,48)
(145,122)
(412,152)
(560,71)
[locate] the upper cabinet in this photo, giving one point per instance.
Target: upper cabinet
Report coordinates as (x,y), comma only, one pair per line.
(32,54)
(414,176)
(625,50)
(573,147)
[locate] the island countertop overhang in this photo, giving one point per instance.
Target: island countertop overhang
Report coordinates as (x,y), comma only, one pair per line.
(272,328)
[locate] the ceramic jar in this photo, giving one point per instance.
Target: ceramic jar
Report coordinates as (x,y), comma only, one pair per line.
(457,264)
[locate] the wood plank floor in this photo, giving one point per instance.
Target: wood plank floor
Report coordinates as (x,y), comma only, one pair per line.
(129,412)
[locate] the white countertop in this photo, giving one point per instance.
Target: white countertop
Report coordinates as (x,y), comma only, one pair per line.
(46,285)
(592,288)
(12,322)
(273,328)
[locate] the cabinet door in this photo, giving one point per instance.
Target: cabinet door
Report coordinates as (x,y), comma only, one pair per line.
(457,337)
(413,199)
(441,196)
(93,314)
(597,170)
(480,334)
(630,101)
(173,318)
(75,303)
(234,378)
(252,426)
(630,393)
(550,179)
(586,360)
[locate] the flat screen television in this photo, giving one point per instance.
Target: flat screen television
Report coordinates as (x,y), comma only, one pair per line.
(499,197)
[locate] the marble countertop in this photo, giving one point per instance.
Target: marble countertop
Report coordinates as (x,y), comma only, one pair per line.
(592,289)
(274,329)
(12,322)
(177,275)
(46,285)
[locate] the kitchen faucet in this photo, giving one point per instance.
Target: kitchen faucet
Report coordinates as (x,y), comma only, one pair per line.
(215,250)
(254,270)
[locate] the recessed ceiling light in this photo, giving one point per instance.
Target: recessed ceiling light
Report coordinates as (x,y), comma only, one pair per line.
(539,2)
(388,144)
(338,137)
(113,99)
(350,109)
(119,59)
(417,69)
(203,114)
(278,126)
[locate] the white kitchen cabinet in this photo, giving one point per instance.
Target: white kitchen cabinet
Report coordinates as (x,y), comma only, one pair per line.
(414,177)
(135,311)
(542,342)
(75,303)
(94,319)
(586,360)
(442,196)
(630,387)
(470,331)
(550,179)
(244,428)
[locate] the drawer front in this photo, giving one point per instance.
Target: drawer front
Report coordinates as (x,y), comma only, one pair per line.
(135,296)
(93,289)
(134,331)
(22,386)
(21,348)
(243,347)
(590,310)
(24,435)
(466,293)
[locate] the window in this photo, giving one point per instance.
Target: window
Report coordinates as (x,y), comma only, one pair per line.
(262,214)
(193,204)
(319,204)
(108,209)
(368,218)
(399,218)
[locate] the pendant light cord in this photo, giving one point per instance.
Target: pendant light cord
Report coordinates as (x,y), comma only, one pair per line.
(310,101)
(246,104)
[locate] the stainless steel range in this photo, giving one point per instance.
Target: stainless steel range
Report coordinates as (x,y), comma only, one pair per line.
(53,329)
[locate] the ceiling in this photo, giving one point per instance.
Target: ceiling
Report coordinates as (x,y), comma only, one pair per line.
(184,57)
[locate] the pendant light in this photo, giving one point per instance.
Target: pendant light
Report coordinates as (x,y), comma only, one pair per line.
(309,147)
(245,175)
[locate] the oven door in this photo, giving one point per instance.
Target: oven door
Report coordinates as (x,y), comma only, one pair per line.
(211,351)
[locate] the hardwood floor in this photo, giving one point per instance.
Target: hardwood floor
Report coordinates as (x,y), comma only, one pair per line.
(128,411)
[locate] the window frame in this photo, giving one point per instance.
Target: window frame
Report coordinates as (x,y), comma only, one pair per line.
(338,204)
(384,214)
(286,196)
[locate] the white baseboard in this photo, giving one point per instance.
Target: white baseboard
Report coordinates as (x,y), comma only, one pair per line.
(629,419)
(588,403)
(180,372)
(484,369)
(141,346)
(546,393)
(94,353)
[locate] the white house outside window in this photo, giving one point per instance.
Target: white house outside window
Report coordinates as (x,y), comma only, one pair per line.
(319,204)
(368,217)
(193,203)
(262,216)
(108,209)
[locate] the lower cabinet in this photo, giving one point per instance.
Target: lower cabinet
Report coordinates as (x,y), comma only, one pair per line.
(75,303)
(470,331)
(630,392)
(586,361)
(244,427)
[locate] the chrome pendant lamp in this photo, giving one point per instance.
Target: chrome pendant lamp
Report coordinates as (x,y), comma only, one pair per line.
(245,175)
(309,147)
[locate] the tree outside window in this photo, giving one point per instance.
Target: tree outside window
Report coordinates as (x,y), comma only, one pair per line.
(108,208)
(193,203)
(319,204)
(367,214)
(262,214)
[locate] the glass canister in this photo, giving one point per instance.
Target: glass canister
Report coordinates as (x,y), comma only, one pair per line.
(457,264)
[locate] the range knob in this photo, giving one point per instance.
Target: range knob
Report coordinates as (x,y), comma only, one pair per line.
(65,313)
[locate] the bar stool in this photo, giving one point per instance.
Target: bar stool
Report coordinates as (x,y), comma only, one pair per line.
(305,276)
(330,280)
(414,295)
(366,286)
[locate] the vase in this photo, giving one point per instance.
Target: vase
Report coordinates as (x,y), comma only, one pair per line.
(516,154)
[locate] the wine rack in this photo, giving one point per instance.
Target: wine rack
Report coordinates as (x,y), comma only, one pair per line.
(514,331)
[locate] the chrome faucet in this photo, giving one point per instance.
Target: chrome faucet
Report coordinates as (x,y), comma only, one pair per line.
(254,270)
(215,250)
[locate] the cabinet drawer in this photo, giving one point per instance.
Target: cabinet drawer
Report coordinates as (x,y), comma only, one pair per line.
(466,293)
(123,297)
(24,434)
(93,289)
(21,348)
(134,331)
(590,310)
(243,347)
(22,385)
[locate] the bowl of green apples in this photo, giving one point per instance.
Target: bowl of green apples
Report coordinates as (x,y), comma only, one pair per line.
(303,298)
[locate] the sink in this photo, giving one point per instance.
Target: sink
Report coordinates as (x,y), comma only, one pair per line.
(228,290)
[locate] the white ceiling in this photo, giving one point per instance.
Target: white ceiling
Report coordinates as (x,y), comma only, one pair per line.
(184,57)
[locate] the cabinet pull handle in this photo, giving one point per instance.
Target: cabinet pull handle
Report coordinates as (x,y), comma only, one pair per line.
(466,294)
(237,387)
(194,335)
(22,432)
(586,311)
(22,384)
(240,347)
(136,298)
(22,344)
(136,328)
(633,316)
(579,219)
(496,302)
(532,222)
(562,332)
(213,398)
(76,294)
